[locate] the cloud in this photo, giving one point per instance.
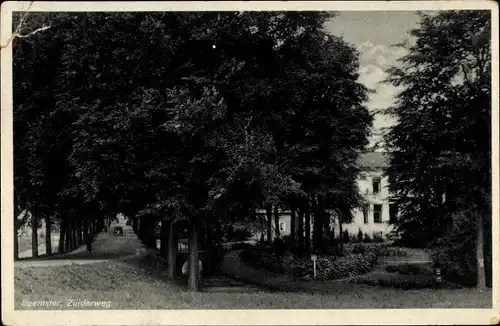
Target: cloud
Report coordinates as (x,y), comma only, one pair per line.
(371,75)
(374,63)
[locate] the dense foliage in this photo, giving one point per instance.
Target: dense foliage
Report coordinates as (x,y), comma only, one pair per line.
(188,118)
(441,142)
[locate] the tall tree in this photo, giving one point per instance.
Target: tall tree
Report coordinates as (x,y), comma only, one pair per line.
(442,142)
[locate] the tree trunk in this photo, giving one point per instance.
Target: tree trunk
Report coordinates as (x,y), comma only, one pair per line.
(67,233)
(319,216)
(481,276)
(135,224)
(269,223)
(143,229)
(79,234)
(164,239)
(276,221)
(62,233)
(151,236)
(74,227)
(341,235)
(48,236)
(293,217)
(326,224)
(172,251)
(307,223)
(318,224)
(301,227)
(193,272)
(71,235)
(34,235)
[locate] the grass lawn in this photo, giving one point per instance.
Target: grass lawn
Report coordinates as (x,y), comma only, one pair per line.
(134,285)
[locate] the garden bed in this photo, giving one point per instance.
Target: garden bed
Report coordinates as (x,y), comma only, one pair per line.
(357,260)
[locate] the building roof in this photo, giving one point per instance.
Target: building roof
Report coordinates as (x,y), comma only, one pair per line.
(374,160)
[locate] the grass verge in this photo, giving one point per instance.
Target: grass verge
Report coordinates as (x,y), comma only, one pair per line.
(135,285)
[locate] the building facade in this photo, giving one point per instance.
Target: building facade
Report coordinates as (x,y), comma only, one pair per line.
(378,215)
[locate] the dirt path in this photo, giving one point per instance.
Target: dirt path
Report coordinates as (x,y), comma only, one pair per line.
(106,247)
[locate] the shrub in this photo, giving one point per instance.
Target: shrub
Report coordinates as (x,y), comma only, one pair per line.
(360,235)
(345,236)
(359,249)
(453,251)
(289,243)
(261,258)
(377,237)
(348,266)
(367,238)
(238,234)
(241,246)
(359,259)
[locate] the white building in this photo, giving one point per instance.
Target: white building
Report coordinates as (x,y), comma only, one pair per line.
(375,219)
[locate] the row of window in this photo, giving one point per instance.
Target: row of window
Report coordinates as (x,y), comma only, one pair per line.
(377,213)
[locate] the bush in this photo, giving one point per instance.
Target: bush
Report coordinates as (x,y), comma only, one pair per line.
(261,258)
(238,234)
(359,249)
(359,259)
(348,266)
(454,251)
(367,238)
(345,236)
(377,237)
(242,246)
(360,235)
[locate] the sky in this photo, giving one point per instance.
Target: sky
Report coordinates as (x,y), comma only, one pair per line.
(373,33)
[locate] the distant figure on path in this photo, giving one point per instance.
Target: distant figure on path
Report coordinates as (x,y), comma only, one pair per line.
(279,248)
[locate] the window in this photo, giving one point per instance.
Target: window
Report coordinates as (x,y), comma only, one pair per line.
(365,214)
(393,213)
(376,185)
(282,226)
(377,213)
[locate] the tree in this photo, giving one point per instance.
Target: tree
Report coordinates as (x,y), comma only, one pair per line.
(442,141)
(256,108)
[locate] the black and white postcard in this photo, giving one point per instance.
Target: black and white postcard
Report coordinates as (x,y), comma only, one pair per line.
(250,163)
